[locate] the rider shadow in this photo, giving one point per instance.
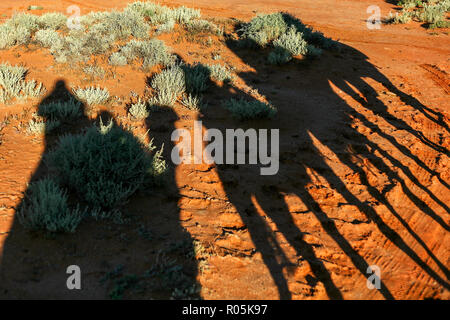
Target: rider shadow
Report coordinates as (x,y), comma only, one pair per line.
(312,114)
(34,263)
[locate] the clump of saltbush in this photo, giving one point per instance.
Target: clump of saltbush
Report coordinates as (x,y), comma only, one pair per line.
(202,26)
(106,165)
(17,30)
(288,35)
(192,102)
(117,59)
(152,52)
(46,207)
(47,37)
(13,84)
(246,110)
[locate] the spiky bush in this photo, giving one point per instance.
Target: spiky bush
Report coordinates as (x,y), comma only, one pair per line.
(219,72)
(92,95)
(192,102)
(14,85)
(52,20)
(169,84)
(139,110)
(61,110)
(46,207)
(106,165)
(184,15)
(245,110)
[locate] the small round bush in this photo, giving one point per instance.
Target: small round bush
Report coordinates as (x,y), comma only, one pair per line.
(45,207)
(105,165)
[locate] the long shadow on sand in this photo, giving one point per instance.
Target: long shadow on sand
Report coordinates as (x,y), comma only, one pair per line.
(310,112)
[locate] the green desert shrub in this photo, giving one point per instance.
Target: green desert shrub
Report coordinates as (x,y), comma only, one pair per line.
(279,56)
(61,110)
(264,29)
(196,77)
(169,84)
(245,110)
(92,95)
(139,110)
(46,207)
(434,13)
(293,42)
(288,35)
(106,165)
(117,59)
(219,72)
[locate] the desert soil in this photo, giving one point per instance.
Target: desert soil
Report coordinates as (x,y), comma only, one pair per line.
(363,181)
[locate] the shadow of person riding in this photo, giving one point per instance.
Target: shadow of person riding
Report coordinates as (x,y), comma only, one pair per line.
(102,165)
(312,117)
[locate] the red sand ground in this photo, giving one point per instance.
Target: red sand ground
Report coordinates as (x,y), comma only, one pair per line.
(364,173)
